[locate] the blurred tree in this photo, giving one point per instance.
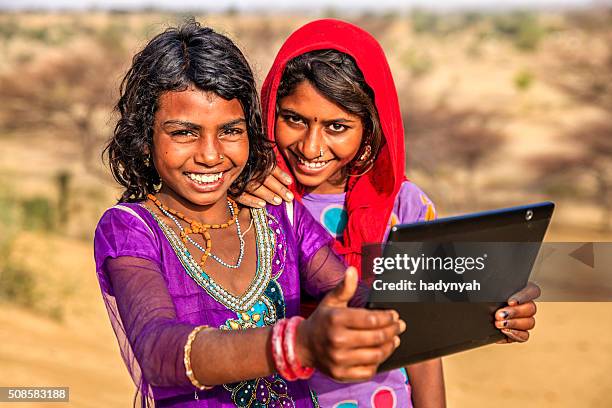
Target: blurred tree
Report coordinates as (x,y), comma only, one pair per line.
(38,214)
(592,19)
(424,21)
(585,74)
(376,24)
(522,28)
(452,146)
(62,180)
(232,11)
(330,12)
(590,162)
(8,29)
(418,62)
(65,95)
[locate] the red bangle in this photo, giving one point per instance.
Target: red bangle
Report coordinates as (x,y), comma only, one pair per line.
(292,359)
(278,353)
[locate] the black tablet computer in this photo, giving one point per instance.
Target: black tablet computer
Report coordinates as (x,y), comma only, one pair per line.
(438,327)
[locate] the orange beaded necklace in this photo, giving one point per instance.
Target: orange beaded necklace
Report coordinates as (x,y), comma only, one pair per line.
(196,227)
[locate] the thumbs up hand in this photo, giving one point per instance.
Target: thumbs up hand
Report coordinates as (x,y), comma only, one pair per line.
(345,343)
(342,294)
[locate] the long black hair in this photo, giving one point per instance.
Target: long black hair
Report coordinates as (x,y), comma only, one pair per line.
(180,57)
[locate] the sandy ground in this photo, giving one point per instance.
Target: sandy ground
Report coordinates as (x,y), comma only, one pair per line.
(565,364)
(80,351)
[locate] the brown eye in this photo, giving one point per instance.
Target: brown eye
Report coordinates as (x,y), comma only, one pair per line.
(293,119)
(232,133)
(183,132)
(337,127)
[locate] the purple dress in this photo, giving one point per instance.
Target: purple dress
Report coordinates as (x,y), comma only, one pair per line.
(156,294)
(390,389)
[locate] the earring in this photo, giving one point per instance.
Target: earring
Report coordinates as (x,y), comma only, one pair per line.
(366,154)
(363,164)
(147,160)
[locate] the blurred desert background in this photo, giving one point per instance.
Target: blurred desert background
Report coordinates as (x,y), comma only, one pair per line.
(500,109)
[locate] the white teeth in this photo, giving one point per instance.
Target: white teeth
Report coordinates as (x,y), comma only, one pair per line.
(312,165)
(205,178)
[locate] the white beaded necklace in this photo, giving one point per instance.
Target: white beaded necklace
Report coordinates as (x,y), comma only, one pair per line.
(213,256)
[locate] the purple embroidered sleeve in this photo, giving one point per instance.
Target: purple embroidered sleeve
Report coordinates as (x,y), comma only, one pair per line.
(320,267)
(120,233)
(149,318)
(136,297)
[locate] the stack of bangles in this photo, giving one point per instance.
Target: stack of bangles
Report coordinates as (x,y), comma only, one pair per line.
(285,358)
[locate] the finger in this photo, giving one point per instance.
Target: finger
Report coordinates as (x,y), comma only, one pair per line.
(364,356)
(360,373)
(351,339)
(526,323)
(516,335)
(278,188)
(282,176)
(341,294)
(352,374)
(364,319)
(528,293)
(528,309)
(249,200)
(266,194)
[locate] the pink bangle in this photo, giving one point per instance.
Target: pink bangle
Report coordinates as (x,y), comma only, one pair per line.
(278,354)
(293,361)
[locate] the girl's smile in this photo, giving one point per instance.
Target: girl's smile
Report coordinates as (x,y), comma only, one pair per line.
(200,147)
(206,182)
(310,166)
(317,137)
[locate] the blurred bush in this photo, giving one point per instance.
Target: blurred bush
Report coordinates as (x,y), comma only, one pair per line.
(9,29)
(17,284)
(426,22)
(23,278)
(417,62)
(38,214)
(522,28)
(523,80)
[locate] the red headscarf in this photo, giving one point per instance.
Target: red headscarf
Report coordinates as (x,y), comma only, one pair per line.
(370,198)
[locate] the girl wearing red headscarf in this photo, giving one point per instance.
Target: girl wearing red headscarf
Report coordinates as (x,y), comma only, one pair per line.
(330,104)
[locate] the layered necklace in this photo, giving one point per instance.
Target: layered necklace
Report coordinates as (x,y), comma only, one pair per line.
(196,227)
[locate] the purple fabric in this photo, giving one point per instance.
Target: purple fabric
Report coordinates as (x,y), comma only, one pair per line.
(411,205)
(153,303)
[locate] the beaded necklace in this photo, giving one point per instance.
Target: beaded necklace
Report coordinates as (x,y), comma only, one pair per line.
(265,244)
(196,227)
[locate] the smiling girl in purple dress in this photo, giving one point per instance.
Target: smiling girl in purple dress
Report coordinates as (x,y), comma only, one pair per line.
(203,294)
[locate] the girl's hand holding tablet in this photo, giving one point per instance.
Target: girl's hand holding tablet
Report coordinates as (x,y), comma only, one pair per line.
(516,319)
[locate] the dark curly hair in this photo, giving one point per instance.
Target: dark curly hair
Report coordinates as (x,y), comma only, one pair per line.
(180,57)
(336,75)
